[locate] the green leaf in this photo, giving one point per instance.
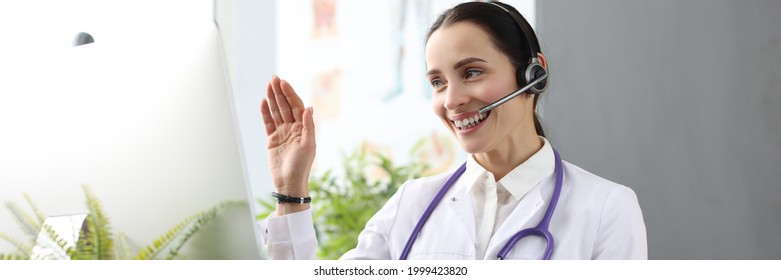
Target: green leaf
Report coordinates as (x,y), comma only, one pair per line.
(32,226)
(202,220)
(24,249)
(29,225)
(151,251)
(12,257)
(69,250)
(38,214)
(95,240)
(183,231)
(122,250)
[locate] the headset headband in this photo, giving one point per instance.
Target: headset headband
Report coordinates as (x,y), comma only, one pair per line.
(526,29)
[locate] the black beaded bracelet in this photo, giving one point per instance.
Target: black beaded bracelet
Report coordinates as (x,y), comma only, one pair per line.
(281,198)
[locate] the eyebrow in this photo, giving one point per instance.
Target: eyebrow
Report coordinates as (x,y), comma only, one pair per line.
(459,64)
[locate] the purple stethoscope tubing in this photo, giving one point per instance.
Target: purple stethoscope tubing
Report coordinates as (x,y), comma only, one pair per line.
(540,230)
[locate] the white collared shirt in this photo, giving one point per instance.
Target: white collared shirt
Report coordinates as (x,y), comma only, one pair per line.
(508,191)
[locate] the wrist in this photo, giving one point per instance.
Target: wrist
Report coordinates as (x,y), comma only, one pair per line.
(287,204)
(295,190)
(282,198)
(290,208)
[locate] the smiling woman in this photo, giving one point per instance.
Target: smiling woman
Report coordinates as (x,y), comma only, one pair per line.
(512,185)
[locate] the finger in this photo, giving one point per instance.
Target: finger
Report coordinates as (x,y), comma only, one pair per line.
(296,105)
(272,101)
(282,104)
(309,127)
(268,121)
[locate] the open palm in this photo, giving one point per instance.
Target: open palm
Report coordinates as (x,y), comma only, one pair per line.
(291,139)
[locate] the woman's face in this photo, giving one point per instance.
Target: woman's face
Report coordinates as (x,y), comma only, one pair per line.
(467,72)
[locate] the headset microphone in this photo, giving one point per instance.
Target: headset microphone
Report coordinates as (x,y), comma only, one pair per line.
(513,94)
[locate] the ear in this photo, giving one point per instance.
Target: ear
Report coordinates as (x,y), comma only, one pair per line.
(543,61)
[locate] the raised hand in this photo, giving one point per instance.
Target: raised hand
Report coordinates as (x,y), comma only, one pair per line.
(291,142)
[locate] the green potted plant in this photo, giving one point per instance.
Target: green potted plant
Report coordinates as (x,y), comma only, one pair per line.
(96,240)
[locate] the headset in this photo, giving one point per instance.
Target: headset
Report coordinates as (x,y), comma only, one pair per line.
(534,77)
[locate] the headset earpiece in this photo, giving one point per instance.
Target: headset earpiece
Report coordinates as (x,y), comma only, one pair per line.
(534,71)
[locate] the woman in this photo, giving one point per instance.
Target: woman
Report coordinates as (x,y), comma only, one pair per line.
(476,53)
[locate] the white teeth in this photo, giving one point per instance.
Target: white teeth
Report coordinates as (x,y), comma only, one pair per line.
(469,122)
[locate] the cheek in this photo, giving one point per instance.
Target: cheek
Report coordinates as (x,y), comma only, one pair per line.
(492,91)
(438,106)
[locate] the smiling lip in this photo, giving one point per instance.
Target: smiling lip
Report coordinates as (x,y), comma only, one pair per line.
(468,122)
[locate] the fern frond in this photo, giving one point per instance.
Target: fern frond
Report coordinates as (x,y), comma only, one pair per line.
(10,257)
(68,249)
(28,224)
(24,249)
(203,219)
(36,211)
(95,241)
(122,250)
(151,251)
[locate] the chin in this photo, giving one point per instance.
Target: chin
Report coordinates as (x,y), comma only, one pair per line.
(471,147)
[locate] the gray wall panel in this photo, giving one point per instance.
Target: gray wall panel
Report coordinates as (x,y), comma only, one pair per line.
(679,100)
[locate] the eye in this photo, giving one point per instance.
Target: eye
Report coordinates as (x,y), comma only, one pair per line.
(471,73)
(436,83)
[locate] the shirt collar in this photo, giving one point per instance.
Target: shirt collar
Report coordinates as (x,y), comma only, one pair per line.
(522,178)
(475,174)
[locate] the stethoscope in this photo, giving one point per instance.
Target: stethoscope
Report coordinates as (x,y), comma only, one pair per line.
(540,230)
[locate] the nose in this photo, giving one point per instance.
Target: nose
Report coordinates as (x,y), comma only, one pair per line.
(455,96)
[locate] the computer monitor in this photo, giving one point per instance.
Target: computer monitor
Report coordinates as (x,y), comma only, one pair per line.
(145,120)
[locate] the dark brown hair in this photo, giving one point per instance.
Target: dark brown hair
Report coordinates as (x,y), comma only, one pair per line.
(505,33)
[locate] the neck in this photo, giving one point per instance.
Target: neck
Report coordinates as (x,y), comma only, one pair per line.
(509,154)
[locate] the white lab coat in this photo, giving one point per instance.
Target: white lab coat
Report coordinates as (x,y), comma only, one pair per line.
(594,219)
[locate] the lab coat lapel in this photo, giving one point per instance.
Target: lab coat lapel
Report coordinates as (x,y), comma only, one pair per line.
(527,214)
(461,205)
